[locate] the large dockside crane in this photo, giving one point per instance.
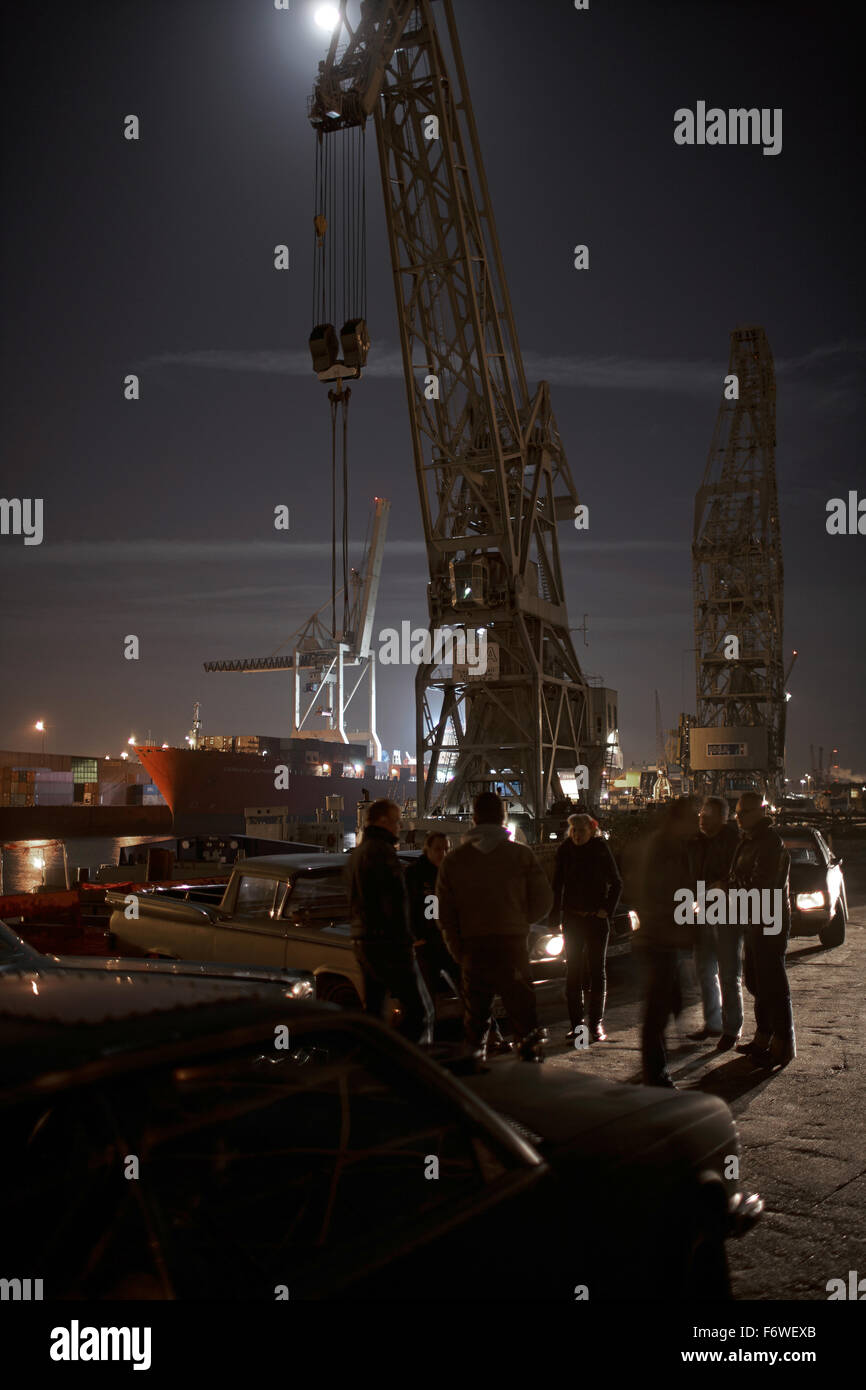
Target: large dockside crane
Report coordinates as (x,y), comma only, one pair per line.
(739,738)
(491,470)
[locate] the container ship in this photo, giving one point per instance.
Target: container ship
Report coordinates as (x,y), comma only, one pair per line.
(211,786)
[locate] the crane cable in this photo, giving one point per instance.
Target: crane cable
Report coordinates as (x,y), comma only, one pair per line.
(338,398)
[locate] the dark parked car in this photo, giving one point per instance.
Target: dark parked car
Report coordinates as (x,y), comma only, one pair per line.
(345,1164)
(819,904)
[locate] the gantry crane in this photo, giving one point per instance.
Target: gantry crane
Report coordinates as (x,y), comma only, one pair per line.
(328,666)
(738,586)
(491,469)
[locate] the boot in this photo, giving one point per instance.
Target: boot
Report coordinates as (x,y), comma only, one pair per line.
(782,1051)
(530,1048)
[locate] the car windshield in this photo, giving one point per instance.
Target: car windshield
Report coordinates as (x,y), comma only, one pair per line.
(803,854)
(257,896)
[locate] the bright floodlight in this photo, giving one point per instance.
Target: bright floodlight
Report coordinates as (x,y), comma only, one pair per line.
(131,741)
(40,725)
(327,17)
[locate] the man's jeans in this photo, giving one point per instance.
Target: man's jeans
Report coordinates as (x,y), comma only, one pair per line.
(719,966)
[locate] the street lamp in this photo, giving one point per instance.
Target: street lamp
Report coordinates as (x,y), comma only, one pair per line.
(39,726)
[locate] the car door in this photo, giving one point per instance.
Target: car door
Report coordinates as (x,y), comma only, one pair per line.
(255,933)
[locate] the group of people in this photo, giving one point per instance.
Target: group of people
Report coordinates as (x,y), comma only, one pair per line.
(454,920)
(459,920)
(689,849)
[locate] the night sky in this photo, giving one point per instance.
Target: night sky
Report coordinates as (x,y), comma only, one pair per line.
(156,257)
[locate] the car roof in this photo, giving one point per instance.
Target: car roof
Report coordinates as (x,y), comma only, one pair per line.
(58,1021)
(265,865)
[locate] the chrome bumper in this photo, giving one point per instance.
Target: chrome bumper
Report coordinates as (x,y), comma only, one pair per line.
(744,1211)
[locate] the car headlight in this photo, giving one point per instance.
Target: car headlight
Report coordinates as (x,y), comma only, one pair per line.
(546,946)
(301,989)
(633,921)
(808,902)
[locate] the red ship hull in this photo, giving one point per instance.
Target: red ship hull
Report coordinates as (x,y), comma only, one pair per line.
(203,786)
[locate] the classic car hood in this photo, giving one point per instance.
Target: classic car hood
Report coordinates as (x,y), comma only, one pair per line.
(558,1105)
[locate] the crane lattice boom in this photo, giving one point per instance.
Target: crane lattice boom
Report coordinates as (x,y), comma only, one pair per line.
(492,474)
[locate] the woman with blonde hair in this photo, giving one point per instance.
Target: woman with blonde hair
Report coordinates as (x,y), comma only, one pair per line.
(586,890)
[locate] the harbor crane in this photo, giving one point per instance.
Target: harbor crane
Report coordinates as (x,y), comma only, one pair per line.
(739,739)
(330,668)
(491,469)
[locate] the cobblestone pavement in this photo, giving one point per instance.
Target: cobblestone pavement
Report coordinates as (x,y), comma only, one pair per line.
(802,1129)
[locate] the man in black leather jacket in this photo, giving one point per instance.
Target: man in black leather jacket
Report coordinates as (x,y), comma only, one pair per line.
(762,862)
(381,938)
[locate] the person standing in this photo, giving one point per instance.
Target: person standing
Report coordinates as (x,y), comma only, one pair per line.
(718,949)
(762,862)
(667,867)
(381,938)
(421,875)
(586,890)
(490,891)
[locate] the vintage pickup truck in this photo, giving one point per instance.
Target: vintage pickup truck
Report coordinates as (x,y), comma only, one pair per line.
(290,911)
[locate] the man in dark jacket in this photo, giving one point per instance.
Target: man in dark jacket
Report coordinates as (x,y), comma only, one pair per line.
(586,889)
(762,862)
(490,891)
(430,950)
(718,949)
(667,868)
(380,924)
